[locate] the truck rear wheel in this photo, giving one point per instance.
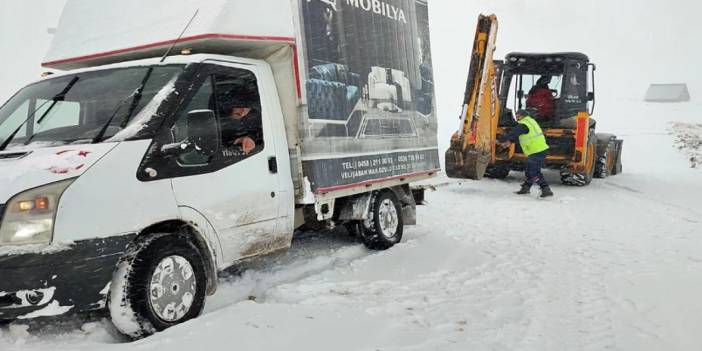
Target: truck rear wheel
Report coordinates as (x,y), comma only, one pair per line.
(383,229)
(160,283)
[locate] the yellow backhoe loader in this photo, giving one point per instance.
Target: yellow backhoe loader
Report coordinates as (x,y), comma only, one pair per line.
(497,88)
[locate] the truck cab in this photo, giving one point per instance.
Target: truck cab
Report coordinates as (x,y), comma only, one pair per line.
(125,150)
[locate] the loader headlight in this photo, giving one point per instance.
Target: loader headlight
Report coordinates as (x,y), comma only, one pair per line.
(29,216)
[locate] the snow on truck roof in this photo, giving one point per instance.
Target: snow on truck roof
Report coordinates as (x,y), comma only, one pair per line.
(92,33)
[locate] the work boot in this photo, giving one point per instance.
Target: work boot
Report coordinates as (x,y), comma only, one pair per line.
(525,190)
(546,191)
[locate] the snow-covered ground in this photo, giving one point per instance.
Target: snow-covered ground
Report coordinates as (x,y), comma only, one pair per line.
(617,265)
(688,139)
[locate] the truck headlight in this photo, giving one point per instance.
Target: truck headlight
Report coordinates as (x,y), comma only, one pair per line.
(29,216)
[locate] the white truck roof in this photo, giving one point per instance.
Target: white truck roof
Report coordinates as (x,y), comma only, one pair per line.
(94,32)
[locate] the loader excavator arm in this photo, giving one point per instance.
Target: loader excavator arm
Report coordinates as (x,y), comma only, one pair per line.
(473,145)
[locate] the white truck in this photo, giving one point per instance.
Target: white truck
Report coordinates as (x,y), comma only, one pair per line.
(131,178)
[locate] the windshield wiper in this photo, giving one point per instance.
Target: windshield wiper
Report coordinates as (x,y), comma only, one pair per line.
(54,100)
(135,97)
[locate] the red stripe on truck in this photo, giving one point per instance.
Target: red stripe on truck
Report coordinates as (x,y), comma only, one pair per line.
(374,181)
(296,64)
(289,40)
(168,42)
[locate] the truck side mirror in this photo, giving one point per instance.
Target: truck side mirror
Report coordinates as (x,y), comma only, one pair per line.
(203,131)
(591,96)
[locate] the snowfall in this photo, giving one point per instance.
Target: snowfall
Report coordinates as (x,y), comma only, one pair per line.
(616,265)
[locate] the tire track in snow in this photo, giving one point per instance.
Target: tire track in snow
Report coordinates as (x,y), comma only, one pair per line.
(559,273)
(595,323)
(311,253)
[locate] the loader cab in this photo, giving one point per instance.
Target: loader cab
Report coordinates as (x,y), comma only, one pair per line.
(557,85)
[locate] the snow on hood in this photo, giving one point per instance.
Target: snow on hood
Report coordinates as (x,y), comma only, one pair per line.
(23,169)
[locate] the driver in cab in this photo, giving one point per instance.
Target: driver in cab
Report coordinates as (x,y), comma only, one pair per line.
(241,124)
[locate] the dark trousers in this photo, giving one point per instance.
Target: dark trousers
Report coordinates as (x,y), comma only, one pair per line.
(534,164)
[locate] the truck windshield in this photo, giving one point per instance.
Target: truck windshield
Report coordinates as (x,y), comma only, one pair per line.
(77,108)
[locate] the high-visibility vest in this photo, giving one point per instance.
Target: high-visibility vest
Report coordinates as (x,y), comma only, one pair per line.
(534,141)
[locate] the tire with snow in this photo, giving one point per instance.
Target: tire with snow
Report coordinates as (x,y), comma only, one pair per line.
(497,171)
(583,178)
(354,229)
(618,168)
(606,161)
(159,283)
(383,229)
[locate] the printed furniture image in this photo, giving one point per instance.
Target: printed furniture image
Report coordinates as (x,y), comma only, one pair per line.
(386,85)
(332,92)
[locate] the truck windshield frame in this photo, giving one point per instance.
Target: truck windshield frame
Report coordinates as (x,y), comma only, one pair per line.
(94,103)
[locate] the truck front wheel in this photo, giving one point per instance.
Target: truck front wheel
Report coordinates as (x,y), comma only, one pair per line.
(383,229)
(160,283)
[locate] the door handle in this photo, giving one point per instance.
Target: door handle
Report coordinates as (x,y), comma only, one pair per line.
(273,165)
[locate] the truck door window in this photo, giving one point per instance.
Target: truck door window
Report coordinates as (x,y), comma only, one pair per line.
(233,96)
(202,100)
(239,112)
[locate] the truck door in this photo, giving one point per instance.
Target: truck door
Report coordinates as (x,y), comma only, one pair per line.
(237,189)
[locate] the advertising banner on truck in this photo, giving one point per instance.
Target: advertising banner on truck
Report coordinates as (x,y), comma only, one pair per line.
(370,110)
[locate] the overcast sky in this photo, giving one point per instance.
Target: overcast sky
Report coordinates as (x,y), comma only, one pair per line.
(24,40)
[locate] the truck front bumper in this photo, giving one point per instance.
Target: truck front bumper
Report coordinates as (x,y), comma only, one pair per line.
(53,281)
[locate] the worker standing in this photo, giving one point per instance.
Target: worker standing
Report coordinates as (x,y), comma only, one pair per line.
(533,142)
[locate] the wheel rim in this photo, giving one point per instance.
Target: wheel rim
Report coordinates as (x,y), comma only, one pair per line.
(388,218)
(172,289)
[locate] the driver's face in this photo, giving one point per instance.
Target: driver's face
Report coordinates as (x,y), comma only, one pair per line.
(239,112)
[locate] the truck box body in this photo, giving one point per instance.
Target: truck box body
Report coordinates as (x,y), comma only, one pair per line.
(354,76)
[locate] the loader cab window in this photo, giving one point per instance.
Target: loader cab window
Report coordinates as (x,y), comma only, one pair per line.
(556,85)
(539,91)
(232,94)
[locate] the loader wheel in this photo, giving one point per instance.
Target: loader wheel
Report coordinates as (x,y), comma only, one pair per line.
(606,162)
(617,168)
(383,229)
(160,283)
(497,171)
(570,178)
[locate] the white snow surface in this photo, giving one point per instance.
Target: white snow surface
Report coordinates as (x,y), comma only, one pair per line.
(616,265)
